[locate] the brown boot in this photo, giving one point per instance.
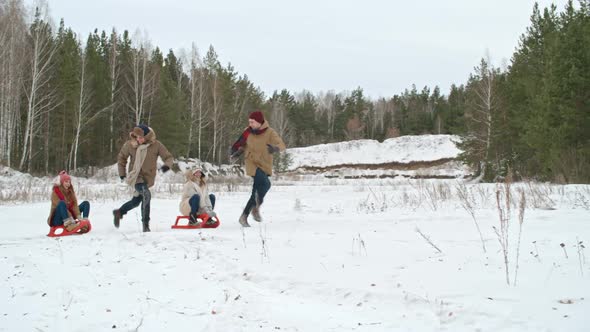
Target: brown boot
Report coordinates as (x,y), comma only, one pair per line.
(256,209)
(117,217)
(256,213)
(244,221)
(70,224)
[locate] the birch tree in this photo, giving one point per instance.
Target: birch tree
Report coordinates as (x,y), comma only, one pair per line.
(280,106)
(213,70)
(481,106)
(114,73)
(141,80)
(197,110)
(327,107)
(13,33)
(82,110)
(40,95)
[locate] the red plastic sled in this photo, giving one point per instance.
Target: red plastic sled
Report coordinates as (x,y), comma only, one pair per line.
(57,231)
(206,222)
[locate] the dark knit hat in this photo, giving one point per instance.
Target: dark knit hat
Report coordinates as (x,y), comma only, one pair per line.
(257,116)
(141,130)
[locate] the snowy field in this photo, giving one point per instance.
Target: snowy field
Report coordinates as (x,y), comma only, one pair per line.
(330,255)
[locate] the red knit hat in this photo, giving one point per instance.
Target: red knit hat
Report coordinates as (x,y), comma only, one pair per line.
(257,116)
(63,177)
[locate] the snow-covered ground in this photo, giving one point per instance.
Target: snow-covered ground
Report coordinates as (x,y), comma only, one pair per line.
(332,254)
(328,257)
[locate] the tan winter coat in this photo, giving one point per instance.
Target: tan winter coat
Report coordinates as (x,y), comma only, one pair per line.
(70,200)
(149,167)
(256,151)
(195,186)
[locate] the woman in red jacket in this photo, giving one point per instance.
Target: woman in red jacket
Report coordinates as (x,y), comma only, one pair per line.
(64,205)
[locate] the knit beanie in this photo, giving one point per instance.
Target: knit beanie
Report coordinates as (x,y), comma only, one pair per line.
(257,116)
(63,177)
(141,130)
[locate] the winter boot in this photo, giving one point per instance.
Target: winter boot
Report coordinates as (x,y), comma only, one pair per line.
(212,218)
(70,224)
(192,219)
(244,221)
(146,227)
(256,209)
(256,213)
(117,217)
(84,229)
(211,221)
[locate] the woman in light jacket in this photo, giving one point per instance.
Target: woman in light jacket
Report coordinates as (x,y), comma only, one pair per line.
(196,198)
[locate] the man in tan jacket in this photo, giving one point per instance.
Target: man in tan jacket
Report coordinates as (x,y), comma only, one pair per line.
(144,150)
(258,142)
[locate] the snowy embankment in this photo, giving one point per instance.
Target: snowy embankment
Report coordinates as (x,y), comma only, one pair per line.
(424,156)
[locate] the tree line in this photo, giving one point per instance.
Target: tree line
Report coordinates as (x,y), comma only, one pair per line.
(69,104)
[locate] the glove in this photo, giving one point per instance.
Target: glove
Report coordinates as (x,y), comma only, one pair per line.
(122,186)
(165,168)
(272,149)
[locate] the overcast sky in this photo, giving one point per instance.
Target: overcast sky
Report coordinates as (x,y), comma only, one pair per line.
(380,46)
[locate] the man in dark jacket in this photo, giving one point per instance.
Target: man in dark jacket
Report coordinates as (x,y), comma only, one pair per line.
(144,149)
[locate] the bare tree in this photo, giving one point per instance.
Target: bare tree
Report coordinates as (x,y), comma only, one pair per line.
(40,94)
(379,111)
(327,107)
(280,118)
(354,128)
(216,110)
(141,80)
(84,114)
(197,111)
(214,73)
(13,31)
(481,108)
(114,77)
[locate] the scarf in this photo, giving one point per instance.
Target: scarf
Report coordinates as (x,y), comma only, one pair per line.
(241,141)
(205,202)
(140,155)
(62,197)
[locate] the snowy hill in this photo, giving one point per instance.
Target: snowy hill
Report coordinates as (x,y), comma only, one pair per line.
(424,156)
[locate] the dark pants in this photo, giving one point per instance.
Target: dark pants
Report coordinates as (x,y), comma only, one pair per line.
(259,189)
(195,201)
(61,212)
(144,198)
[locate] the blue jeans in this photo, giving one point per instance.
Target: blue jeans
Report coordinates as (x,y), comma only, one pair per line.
(195,201)
(259,189)
(61,212)
(143,198)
